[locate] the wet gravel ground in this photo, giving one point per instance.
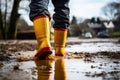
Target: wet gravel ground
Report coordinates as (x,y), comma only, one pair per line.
(74,66)
(85,60)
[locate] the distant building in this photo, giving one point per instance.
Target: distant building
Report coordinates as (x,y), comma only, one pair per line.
(96,24)
(100,27)
(109,25)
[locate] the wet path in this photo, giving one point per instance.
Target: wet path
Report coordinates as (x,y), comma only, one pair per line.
(94,47)
(87,67)
(98,68)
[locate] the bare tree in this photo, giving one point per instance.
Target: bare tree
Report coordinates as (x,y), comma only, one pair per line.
(74,20)
(117,7)
(12,29)
(110,11)
(2,31)
(8,18)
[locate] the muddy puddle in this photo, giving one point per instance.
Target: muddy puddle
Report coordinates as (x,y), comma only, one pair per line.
(99,68)
(86,61)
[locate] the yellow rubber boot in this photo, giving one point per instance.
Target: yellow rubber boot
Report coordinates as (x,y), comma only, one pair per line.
(44,69)
(60,71)
(42,32)
(60,36)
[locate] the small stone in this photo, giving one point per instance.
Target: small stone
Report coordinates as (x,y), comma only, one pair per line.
(16,67)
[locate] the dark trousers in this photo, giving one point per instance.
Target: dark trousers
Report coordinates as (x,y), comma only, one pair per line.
(61,15)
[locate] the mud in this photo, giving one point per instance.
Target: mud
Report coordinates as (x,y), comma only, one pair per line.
(97,67)
(100,62)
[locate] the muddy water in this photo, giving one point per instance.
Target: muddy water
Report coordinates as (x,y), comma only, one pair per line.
(97,67)
(62,69)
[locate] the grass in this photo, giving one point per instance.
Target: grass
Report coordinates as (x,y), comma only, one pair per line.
(115,34)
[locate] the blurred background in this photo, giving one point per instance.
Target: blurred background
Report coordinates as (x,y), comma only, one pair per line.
(88,19)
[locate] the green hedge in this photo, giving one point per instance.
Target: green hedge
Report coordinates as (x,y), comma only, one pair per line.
(115,34)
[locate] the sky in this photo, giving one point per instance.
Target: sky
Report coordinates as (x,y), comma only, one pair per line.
(81,8)
(87,8)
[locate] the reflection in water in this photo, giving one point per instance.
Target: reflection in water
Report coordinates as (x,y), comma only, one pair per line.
(60,72)
(44,69)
